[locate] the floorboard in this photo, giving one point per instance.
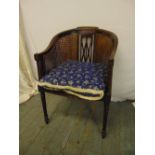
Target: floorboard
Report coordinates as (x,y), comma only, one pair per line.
(75,128)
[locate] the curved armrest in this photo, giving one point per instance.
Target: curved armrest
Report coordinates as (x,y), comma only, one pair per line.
(41,57)
(40,65)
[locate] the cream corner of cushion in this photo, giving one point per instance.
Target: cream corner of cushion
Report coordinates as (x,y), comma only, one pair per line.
(76,92)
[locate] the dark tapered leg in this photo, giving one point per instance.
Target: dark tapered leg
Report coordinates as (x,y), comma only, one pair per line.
(105,116)
(43,99)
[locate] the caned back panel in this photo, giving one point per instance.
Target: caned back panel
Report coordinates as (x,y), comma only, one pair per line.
(104,47)
(64,48)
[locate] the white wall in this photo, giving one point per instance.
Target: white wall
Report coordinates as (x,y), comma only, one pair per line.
(44,18)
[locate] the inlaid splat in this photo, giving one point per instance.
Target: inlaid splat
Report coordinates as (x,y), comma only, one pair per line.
(86,48)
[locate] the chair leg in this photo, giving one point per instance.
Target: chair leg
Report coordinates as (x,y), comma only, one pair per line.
(105,116)
(43,100)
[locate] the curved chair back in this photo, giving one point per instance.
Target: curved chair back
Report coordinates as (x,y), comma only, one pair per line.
(88,44)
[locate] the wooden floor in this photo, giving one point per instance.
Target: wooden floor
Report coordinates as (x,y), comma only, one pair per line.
(75,127)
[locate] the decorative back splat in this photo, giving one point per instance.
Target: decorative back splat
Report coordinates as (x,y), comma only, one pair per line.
(86,47)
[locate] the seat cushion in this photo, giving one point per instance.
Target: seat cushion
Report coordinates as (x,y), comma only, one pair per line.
(82,79)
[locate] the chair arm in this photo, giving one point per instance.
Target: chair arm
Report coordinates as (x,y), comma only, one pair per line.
(40,64)
(41,57)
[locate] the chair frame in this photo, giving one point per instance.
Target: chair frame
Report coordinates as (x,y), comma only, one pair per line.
(107,58)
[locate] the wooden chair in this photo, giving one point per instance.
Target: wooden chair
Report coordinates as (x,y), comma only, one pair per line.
(67,45)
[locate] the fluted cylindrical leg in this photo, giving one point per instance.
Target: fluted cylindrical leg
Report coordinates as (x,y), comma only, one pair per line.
(43,100)
(105,116)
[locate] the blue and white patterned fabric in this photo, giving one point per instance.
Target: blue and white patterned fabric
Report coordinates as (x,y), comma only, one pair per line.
(82,79)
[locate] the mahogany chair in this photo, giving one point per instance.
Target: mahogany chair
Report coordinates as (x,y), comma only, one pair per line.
(83,44)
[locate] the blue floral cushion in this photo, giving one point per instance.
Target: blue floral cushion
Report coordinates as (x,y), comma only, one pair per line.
(82,79)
